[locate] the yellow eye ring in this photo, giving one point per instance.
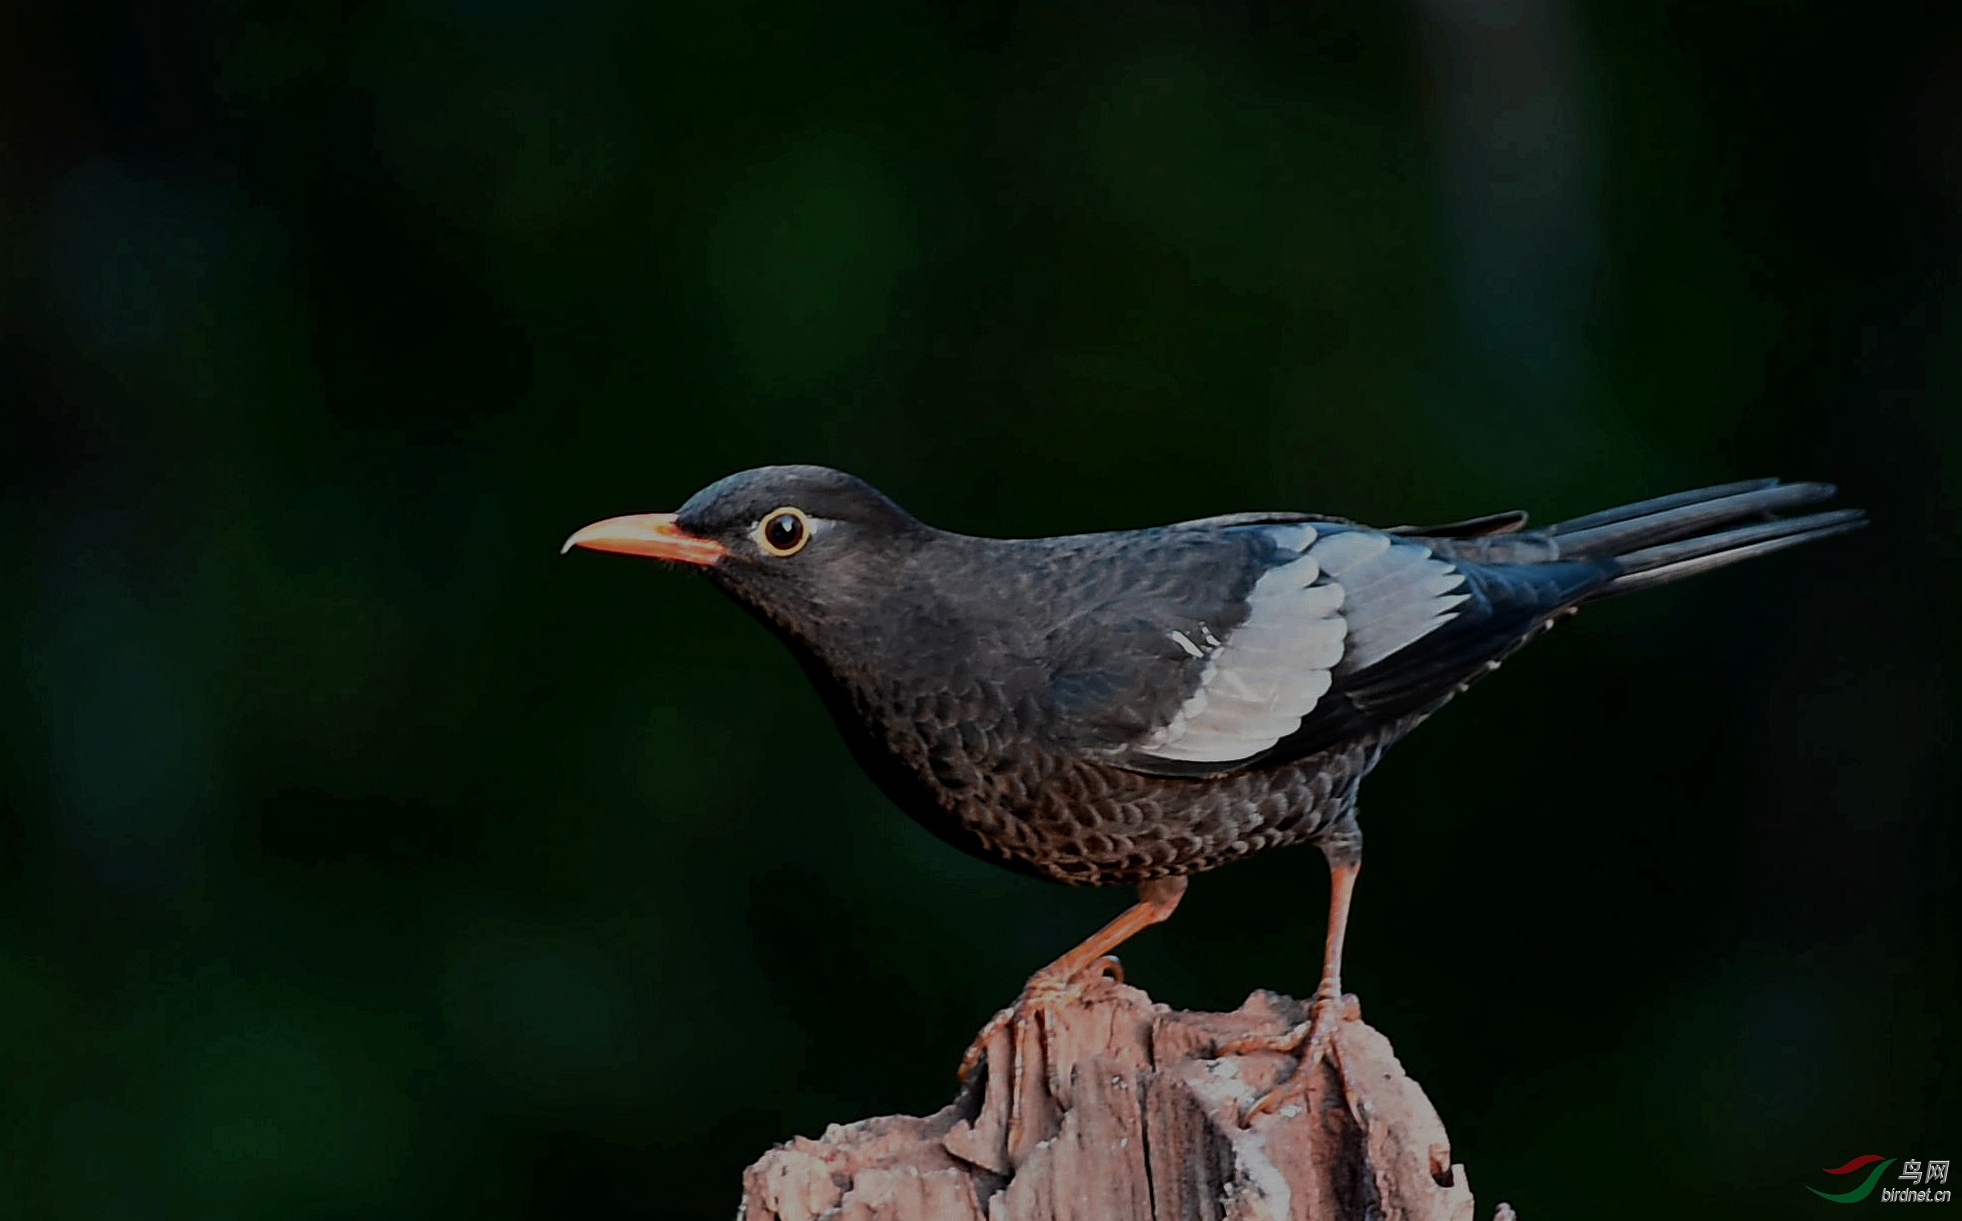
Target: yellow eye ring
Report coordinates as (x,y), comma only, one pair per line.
(783,531)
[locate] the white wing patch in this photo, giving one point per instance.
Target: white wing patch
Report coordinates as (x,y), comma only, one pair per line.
(1352,598)
(1396,597)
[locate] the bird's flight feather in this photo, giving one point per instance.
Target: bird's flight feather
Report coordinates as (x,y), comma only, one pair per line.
(1333,602)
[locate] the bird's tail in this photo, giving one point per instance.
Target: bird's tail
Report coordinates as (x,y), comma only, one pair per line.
(1670,537)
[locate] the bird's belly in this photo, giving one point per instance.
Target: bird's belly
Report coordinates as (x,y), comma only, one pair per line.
(970,771)
(1084,822)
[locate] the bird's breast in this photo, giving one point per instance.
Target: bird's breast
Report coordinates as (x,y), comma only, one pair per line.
(969,763)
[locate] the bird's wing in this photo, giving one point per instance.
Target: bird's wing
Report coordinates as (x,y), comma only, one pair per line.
(1344,628)
(1257,518)
(1472,527)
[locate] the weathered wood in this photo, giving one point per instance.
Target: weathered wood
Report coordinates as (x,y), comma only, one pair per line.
(1137,1118)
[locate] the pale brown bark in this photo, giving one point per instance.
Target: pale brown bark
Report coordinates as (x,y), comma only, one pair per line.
(1137,1120)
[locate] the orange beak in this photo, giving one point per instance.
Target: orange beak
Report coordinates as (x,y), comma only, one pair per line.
(650,534)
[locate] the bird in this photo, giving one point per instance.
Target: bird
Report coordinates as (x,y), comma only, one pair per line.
(1133,707)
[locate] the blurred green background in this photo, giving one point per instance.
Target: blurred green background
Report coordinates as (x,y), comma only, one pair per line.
(364,857)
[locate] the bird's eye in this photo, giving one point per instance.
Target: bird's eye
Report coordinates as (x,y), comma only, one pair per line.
(784,531)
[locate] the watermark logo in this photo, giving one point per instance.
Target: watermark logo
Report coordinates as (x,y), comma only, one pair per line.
(1913,1172)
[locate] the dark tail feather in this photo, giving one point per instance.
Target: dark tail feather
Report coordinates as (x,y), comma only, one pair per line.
(1663,540)
(1646,568)
(1646,508)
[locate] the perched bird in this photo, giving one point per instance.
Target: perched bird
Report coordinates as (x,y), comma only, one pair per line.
(1138,706)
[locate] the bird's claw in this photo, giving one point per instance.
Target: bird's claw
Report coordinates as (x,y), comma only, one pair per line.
(1312,1041)
(1046,991)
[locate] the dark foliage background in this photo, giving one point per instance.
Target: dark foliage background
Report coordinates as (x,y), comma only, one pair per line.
(363,857)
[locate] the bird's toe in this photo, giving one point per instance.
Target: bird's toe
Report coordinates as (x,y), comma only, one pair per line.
(1312,1042)
(1046,991)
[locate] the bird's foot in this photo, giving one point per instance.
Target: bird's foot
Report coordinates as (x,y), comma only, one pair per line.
(1047,991)
(1312,1041)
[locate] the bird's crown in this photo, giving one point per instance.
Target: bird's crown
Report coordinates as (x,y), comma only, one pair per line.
(741,500)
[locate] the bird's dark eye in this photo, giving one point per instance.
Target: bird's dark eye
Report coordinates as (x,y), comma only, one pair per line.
(784,531)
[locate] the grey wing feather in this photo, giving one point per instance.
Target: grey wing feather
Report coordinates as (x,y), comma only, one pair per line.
(1340,627)
(1338,600)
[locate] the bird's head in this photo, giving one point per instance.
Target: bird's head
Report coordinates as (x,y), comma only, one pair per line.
(791,543)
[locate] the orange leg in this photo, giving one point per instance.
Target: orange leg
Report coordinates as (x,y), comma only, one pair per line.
(1314,1039)
(1341,892)
(1056,983)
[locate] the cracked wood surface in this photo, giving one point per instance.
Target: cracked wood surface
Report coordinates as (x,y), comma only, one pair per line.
(1136,1119)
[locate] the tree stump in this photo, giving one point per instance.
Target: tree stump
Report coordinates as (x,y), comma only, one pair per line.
(1137,1119)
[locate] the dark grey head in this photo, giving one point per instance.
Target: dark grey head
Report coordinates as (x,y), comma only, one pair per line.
(791,543)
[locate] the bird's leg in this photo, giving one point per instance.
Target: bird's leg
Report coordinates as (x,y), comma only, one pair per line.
(1314,1039)
(1059,982)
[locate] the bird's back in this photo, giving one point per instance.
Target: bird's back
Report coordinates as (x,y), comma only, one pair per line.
(1109,708)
